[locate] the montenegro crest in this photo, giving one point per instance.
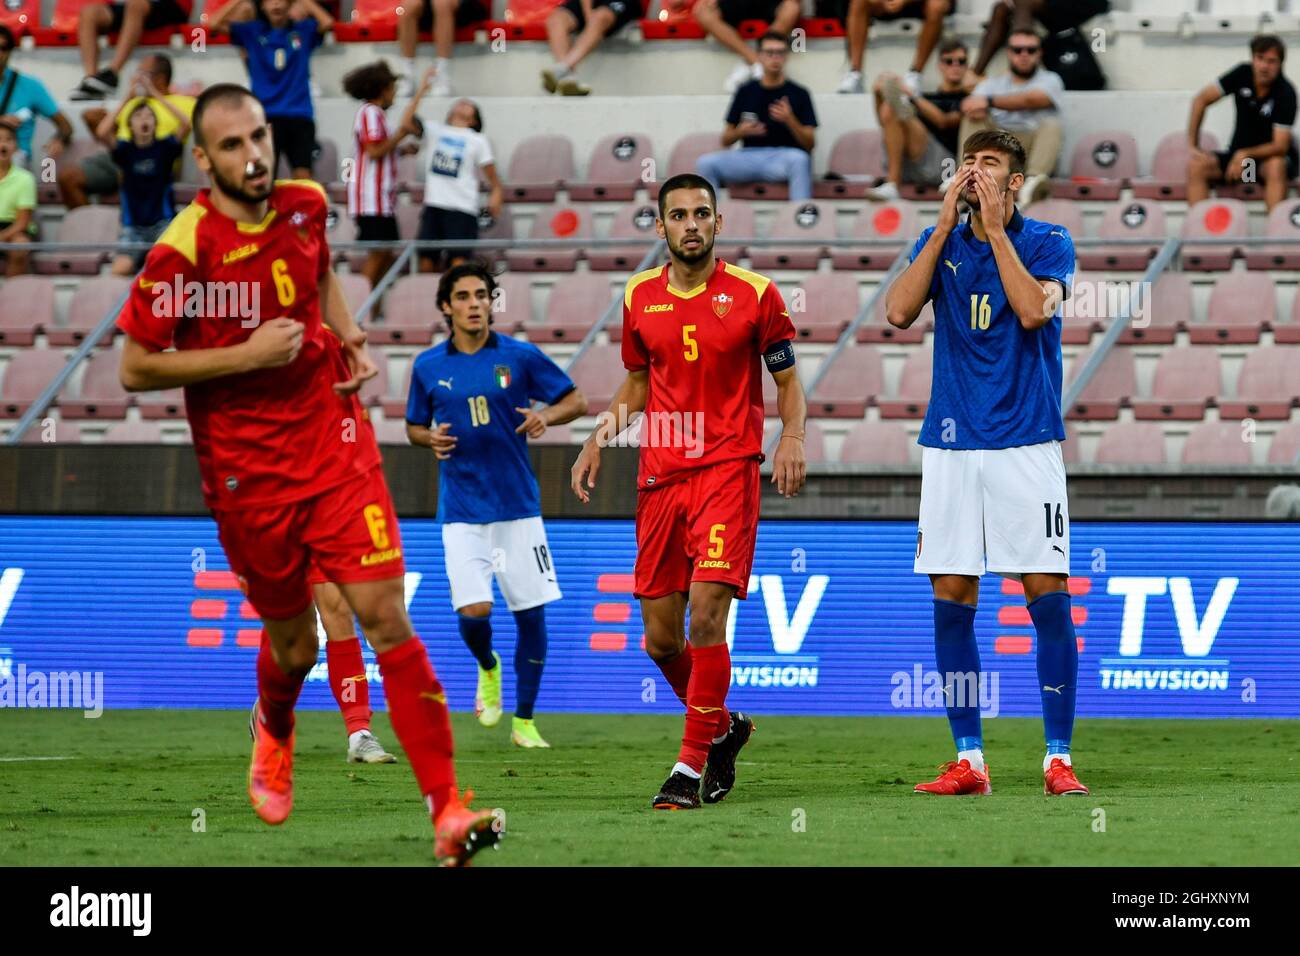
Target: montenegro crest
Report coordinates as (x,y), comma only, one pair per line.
(503,375)
(722,304)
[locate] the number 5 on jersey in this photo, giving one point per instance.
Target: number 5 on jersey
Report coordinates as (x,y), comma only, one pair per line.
(692,347)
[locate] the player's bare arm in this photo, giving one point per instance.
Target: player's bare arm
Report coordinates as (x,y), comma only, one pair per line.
(536,421)
(789,466)
(908,295)
(338,319)
(1033,300)
(629,399)
(438,438)
(273,344)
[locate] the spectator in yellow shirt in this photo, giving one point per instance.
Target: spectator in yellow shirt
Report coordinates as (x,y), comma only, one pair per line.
(17,202)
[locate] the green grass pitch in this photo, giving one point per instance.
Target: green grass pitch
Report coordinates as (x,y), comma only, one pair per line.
(810,791)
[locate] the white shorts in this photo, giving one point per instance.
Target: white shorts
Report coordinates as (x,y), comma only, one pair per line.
(515,551)
(1006,503)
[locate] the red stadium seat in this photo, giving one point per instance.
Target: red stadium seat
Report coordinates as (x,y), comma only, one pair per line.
(856,164)
(394,406)
(1268,385)
(877,443)
(895,221)
(83,224)
(913,388)
(92,300)
(26,307)
(62,30)
(372,20)
(500,227)
(1133,220)
(1284,449)
(1112,385)
(526,19)
(599,372)
(553,222)
(634,222)
(876,329)
(1059,212)
(20,16)
(1241,305)
(814,439)
(101,394)
(576,303)
(797,220)
(1217,443)
(822,305)
(1168,179)
(25,376)
(410,313)
(512,307)
(1213,219)
(131,433)
(1079,311)
(1186,380)
(1283,223)
(615,170)
(539,167)
(166,404)
(685,155)
(210,9)
(853,381)
(77,152)
(1100,165)
(1132,443)
(672,24)
(738,223)
(1169,309)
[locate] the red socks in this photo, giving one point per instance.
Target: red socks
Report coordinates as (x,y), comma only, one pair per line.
(678,672)
(348,682)
(417,707)
(277,692)
(706,707)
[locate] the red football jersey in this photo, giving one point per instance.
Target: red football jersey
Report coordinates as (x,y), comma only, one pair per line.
(270,436)
(704,351)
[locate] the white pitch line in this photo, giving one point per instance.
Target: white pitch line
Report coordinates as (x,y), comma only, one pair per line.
(22,759)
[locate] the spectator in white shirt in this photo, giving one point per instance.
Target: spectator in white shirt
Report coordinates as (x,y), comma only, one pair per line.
(458,153)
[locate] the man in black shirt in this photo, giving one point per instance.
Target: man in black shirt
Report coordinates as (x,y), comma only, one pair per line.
(919,133)
(774,121)
(1261,147)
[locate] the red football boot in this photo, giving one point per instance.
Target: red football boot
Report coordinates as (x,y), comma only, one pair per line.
(1059,780)
(270,774)
(958,780)
(462,832)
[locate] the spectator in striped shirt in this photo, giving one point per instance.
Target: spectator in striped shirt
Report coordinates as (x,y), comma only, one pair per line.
(372,188)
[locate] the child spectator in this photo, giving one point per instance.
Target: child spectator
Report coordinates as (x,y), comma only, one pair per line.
(17,202)
(458,154)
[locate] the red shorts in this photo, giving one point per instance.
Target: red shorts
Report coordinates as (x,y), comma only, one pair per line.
(349,533)
(701,528)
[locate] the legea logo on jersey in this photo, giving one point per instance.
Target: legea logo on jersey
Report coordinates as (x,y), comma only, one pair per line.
(787,666)
(1196,670)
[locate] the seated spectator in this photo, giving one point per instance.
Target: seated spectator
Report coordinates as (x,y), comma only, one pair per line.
(774,121)
(17,203)
(721,18)
(22,99)
(857,24)
(1057,17)
(1026,102)
(148,165)
(459,154)
(278,54)
(128,20)
(97,175)
(592,20)
(444,17)
(1261,147)
(372,190)
(920,132)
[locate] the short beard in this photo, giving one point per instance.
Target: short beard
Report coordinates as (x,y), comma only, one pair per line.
(235,192)
(690,259)
(1025,75)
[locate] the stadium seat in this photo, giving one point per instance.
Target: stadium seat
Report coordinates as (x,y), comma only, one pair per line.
(875,328)
(372,20)
(822,305)
(25,377)
(894,221)
(685,156)
(390,431)
(76,152)
(814,439)
(1070,447)
(877,443)
(575,304)
(26,307)
(62,30)
(93,299)
(39,433)
(356,289)
(101,394)
(526,19)
(672,24)
(852,382)
(131,433)
(1217,443)
(797,220)
(539,168)
(1059,212)
(1268,385)
(1169,309)
(1112,385)
(1100,165)
(1168,179)
(495,227)
(512,306)
(553,222)
(1288,332)
(1131,220)
(1284,449)
(20,16)
(616,168)
(84,224)
(410,312)
(1283,223)
(599,372)
(634,222)
(1131,443)
(165,404)
(737,221)
(191,179)
(855,165)
(375,390)
(1213,219)
(1187,379)
(1079,312)
(1241,305)
(913,388)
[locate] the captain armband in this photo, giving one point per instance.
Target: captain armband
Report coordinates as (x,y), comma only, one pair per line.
(780,356)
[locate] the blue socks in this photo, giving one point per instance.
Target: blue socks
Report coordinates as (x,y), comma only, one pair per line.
(1058,667)
(476,632)
(530,658)
(955,652)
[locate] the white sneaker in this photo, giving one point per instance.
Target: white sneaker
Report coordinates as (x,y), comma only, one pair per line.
(885,192)
(441,84)
(365,748)
(741,75)
(852,83)
(405,87)
(912,80)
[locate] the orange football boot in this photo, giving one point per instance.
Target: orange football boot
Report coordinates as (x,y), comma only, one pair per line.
(270,774)
(461,832)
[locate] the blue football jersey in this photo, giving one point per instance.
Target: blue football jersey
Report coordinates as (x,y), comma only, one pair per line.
(995,384)
(488,476)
